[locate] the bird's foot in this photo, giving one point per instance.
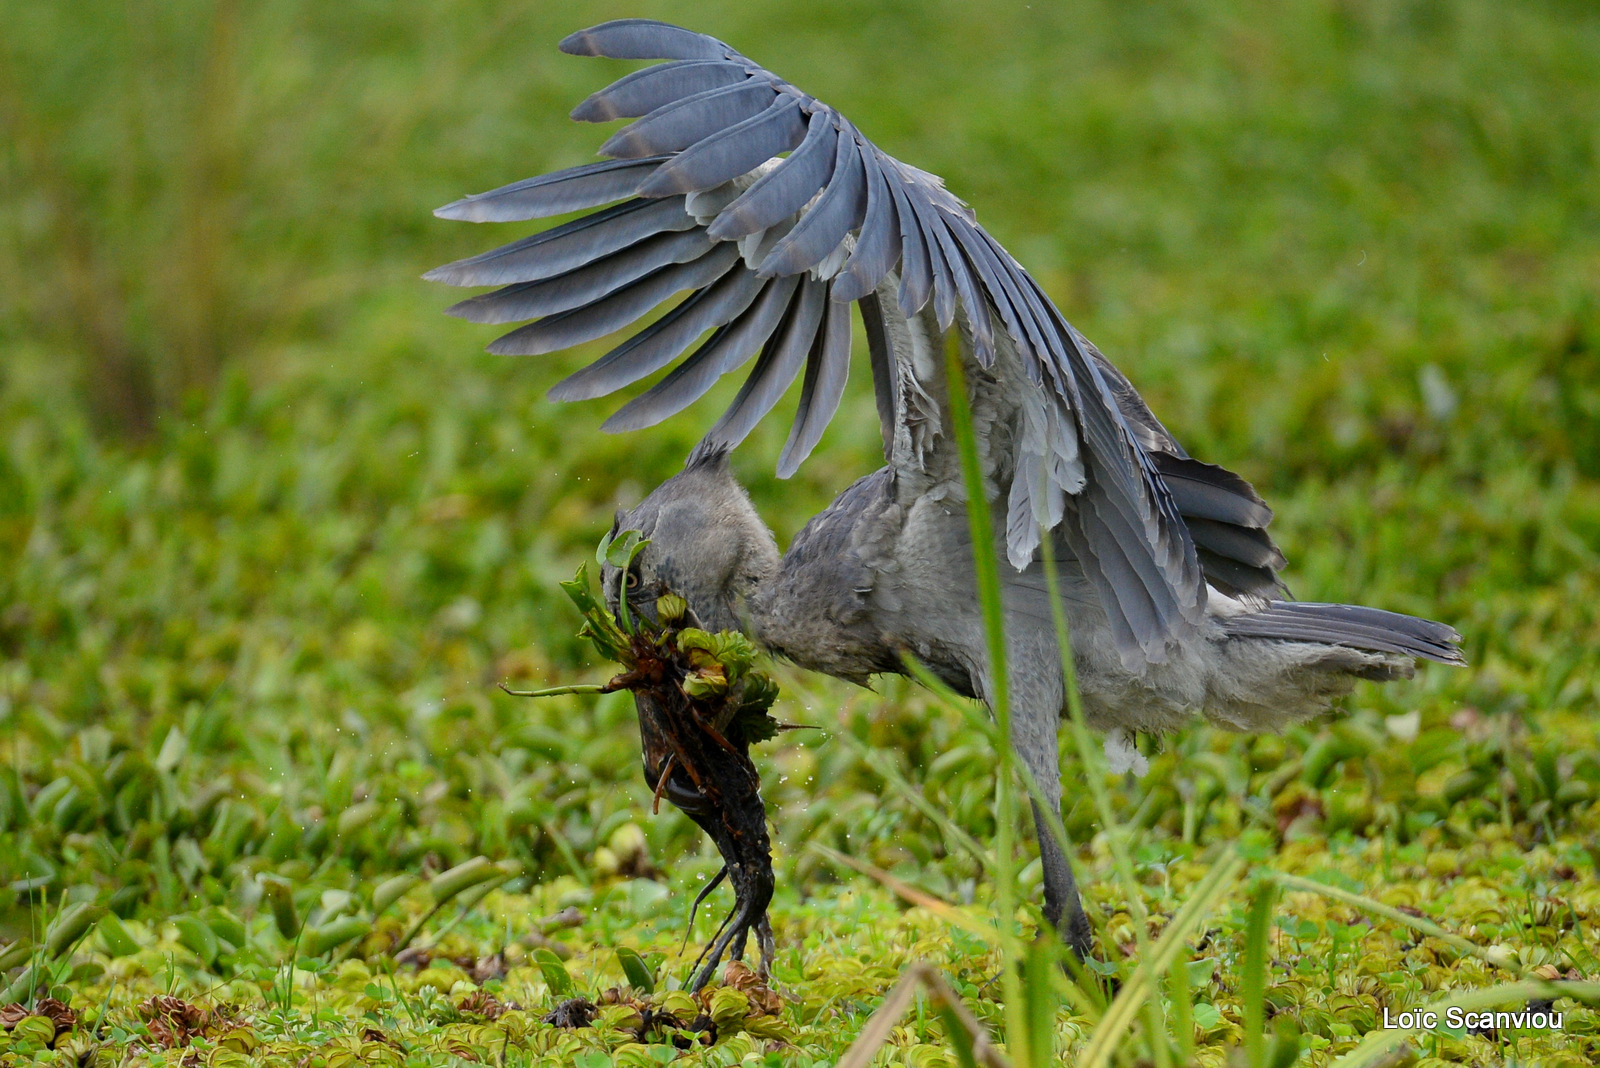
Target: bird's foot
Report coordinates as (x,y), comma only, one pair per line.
(1075,932)
(1077,935)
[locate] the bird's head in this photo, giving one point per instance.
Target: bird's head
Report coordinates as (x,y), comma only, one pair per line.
(707,545)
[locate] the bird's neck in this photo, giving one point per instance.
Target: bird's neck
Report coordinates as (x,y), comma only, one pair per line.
(759,617)
(751,595)
(744,596)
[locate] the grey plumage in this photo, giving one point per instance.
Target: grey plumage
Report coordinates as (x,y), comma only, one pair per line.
(784,190)
(1248,546)
(837,211)
(663,340)
(676,126)
(567,247)
(1207,491)
(776,369)
(730,346)
(645,90)
(730,152)
(943,268)
(826,368)
(916,262)
(587,284)
(574,189)
(1169,577)
(1353,625)
(623,305)
(643,39)
(877,242)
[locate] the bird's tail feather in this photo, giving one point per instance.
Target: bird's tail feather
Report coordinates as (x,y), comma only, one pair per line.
(1351,625)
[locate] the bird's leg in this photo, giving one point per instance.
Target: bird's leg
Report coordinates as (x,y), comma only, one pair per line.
(1061,900)
(1035,727)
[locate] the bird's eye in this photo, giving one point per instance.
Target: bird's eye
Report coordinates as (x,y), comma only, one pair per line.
(632,580)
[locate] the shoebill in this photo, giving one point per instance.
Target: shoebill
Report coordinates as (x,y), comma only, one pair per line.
(761,215)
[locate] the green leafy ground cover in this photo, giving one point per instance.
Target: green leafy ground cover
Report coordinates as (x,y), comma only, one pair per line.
(248,667)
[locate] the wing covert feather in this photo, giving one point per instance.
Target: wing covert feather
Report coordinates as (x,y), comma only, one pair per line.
(784,190)
(878,242)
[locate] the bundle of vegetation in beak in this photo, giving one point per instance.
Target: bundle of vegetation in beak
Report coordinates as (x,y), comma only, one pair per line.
(701,705)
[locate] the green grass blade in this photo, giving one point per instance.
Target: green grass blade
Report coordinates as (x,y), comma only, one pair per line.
(1088,753)
(1039,994)
(1254,988)
(1181,1023)
(985,566)
(960,1040)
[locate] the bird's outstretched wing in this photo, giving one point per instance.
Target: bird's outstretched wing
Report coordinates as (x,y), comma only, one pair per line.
(773,251)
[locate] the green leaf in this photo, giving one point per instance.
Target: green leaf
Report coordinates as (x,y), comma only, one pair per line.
(577,590)
(228,927)
(727,1006)
(555,973)
(23,986)
(391,890)
(18,952)
(36,1030)
(1201,971)
(638,973)
(620,551)
(670,608)
(281,900)
(1287,1042)
(196,935)
(356,817)
(73,923)
(1179,977)
(690,638)
(320,940)
(447,884)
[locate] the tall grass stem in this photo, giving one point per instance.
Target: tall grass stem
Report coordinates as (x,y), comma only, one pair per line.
(986,569)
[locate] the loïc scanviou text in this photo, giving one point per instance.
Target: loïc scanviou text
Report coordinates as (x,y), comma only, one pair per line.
(1453,1017)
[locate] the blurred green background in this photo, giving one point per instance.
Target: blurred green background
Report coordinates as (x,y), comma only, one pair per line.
(272,527)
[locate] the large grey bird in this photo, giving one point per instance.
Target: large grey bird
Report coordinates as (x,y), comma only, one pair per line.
(775,214)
